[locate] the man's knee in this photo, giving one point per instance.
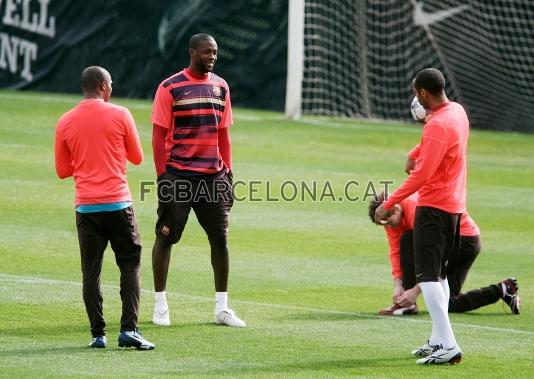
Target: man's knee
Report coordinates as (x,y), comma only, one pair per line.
(218,241)
(130,262)
(166,235)
(453,306)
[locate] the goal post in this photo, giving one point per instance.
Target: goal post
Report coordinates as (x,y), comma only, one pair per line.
(295,59)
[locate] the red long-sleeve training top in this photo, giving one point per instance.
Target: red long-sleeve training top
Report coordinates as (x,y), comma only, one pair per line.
(93,142)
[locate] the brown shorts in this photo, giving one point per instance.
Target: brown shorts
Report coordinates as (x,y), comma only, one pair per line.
(436,236)
(210,199)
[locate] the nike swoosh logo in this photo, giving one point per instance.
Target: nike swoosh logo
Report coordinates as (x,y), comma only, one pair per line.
(422,18)
(187,93)
(418,275)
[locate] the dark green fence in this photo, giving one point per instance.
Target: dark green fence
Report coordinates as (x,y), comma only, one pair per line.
(142,42)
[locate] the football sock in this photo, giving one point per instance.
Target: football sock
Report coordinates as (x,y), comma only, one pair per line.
(221,302)
(435,301)
(503,289)
(161,300)
(446,290)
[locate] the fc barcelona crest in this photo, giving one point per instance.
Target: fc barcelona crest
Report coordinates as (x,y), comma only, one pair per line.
(217,91)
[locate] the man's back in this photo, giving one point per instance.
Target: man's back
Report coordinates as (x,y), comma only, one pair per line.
(440,172)
(448,131)
(98,137)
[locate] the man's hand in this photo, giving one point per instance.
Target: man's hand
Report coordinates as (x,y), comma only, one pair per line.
(409,297)
(398,290)
(409,166)
(381,214)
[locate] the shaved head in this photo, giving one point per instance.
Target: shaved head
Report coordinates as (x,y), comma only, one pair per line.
(92,78)
(431,80)
(197,39)
(96,83)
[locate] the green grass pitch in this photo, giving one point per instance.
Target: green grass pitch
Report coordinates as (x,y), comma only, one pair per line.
(308,277)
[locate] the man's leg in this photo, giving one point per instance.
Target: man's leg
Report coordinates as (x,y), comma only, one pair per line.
(452,257)
(124,237)
(476,298)
(92,246)
(408,277)
(174,204)
(214,221)
(161,257)
(469,249)
(434,241)
(407,260)
(213,216)
(458,269)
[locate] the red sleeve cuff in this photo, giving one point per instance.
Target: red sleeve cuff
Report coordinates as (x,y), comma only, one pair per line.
(415,152)
(387,205)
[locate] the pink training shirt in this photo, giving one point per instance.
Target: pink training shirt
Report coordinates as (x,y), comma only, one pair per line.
(468,228)
(440,172)
(93,142)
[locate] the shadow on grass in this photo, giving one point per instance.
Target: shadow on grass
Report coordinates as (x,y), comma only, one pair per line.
(324,366)
(484,314)
(324,316)
(148,325)
(39,351)
(37,331)
(112,347)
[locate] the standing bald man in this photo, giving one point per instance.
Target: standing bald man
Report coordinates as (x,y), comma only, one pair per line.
(93,142)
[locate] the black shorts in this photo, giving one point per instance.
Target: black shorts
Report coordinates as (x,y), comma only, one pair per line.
(436,240)
(211,200)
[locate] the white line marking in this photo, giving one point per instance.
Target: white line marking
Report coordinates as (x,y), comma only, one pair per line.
(36,280)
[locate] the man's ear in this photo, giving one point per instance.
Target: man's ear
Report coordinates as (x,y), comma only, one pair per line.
(424,93)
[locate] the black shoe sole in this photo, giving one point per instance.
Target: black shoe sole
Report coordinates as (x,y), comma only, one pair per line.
(137,347)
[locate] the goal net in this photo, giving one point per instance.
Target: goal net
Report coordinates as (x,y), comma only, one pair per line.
(359,57)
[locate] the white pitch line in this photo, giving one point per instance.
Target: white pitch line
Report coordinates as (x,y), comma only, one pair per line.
(36,280)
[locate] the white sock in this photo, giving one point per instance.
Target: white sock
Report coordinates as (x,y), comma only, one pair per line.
(221,302)
(435,338)
(504,289)
(446,290)
(161,300)
(435,301)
